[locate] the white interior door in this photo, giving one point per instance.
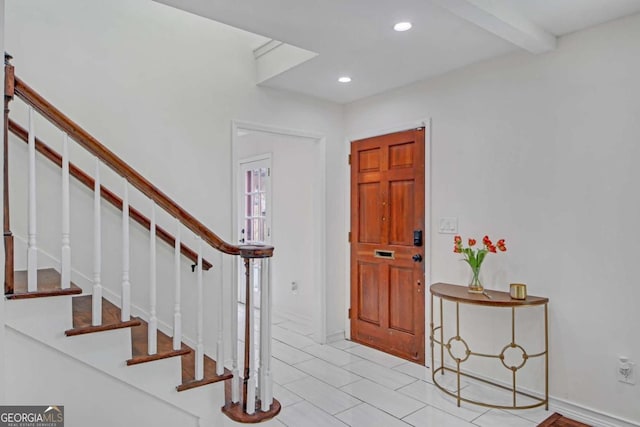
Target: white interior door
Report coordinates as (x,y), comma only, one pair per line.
(254,215)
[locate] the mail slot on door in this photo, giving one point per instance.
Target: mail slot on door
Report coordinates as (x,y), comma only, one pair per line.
(384,254)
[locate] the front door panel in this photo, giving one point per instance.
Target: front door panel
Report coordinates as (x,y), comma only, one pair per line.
(387,207)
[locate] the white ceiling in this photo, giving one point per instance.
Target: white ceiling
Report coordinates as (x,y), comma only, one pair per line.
(355,37)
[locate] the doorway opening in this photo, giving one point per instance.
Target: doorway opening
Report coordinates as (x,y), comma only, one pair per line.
(284,208)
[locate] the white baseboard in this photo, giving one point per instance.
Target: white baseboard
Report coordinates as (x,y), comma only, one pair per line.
(335,336)
(568,409)
(288,314)
(587,415)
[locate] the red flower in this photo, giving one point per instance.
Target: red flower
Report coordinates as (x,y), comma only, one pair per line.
(457,239)
(502,248)
(500,242)
(491,248)
(456,249)
(472,242)
(486,241)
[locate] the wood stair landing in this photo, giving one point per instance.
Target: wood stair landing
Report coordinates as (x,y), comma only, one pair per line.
(189,369)
(140,341)
(48,285)
(82,311)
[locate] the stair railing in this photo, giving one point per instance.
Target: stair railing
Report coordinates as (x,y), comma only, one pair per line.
(250,400)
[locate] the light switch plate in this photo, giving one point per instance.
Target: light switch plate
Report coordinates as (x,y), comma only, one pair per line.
(448,225)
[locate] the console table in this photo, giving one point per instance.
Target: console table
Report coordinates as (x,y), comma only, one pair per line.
(460,295)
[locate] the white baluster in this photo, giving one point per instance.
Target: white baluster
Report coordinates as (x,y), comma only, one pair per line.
(200,317)
(220,343)
(235,381)
(152,344)
(252,383)
(97,251)
(65,258)
(126,284)
(32,248)
(266,380)
(177,316)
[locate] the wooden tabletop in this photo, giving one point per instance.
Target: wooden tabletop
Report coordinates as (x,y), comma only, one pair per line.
(498,298)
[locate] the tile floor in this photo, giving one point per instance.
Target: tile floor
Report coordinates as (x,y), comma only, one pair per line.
(347,384)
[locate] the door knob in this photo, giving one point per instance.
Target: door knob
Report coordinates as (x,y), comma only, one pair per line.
(417,258)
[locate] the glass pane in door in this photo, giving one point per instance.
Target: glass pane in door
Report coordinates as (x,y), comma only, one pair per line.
(253,221)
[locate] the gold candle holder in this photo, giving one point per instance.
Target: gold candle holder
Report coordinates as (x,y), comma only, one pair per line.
(518,290)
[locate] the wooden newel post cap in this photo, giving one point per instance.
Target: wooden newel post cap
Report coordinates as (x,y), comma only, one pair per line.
(256,251)
(9,80)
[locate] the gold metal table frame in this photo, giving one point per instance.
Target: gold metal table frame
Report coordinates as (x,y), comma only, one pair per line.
(460,295)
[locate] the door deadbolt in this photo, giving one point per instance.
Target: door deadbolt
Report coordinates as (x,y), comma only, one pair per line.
(417,258)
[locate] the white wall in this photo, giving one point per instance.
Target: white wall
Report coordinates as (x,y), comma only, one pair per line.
(154,83)
(542,150)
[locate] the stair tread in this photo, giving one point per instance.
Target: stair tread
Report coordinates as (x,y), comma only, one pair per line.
(82,316)
(48,285)
(139,345)
(189,369)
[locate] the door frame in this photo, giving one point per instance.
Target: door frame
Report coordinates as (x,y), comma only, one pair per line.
(428,234)
(318,251)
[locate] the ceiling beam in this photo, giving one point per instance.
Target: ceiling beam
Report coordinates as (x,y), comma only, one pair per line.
(503,22)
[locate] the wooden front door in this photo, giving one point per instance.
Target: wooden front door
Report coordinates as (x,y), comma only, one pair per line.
(387,243)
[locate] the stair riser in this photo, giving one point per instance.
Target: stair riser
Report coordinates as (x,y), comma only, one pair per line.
(158,374)
(105,350)
(40,317)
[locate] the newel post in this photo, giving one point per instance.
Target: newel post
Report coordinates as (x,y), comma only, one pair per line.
(9,85)
(252,398)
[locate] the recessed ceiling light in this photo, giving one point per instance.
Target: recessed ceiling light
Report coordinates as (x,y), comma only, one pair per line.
(344,79)
(402,26)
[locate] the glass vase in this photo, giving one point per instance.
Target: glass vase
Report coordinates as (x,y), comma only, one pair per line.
(475,286)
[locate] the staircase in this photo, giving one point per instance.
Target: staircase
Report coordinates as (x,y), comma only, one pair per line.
(104,326)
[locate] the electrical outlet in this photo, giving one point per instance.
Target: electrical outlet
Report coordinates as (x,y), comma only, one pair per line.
(626,371)
(448,225)
(294,288)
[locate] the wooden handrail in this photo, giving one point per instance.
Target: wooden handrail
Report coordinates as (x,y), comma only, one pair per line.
(106,194)
(93,146)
